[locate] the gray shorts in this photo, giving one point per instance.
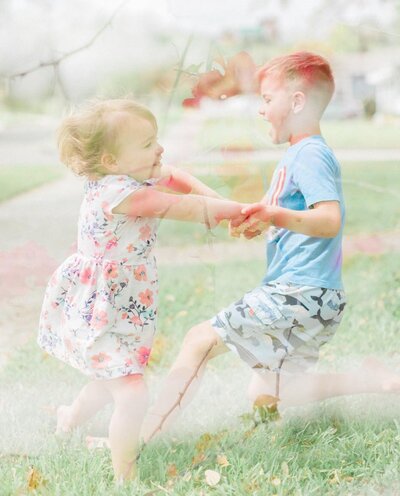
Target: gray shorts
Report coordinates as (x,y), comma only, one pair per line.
(281,327)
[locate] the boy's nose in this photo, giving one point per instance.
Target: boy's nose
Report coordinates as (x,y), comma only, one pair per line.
(160,149)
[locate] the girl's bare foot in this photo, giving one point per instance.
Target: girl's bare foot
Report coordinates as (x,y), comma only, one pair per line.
(93,443)
(386,379)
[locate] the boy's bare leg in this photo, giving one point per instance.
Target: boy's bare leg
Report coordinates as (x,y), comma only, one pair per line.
(201,344)
(299,389)
(92,397)
(130,399)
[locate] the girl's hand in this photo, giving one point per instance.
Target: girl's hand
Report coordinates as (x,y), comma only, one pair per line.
(250,228)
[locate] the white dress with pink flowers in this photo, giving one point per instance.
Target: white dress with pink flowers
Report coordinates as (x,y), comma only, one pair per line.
(100,307)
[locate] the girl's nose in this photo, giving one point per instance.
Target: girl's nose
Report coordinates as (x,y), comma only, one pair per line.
(160,149)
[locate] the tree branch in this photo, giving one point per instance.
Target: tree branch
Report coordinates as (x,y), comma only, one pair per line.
(177,402)
(56,62)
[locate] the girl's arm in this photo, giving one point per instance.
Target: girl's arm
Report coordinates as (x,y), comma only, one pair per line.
(150,202)
(183,182)
(321,221)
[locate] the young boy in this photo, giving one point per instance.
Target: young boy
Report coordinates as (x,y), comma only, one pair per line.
(278,328)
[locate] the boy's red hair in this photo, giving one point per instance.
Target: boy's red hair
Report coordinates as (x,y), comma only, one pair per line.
(306,67)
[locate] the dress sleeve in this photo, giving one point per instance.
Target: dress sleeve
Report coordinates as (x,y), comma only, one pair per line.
(115,189)
(316,175)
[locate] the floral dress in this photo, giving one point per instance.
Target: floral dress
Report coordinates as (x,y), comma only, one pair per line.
(100,307)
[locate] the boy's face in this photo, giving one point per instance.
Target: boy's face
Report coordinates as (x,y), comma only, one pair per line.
(139,153)
(276,108)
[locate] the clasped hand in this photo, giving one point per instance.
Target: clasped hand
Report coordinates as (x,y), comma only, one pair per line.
(253,220)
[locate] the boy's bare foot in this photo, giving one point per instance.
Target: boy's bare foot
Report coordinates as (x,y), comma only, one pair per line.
(93,443)
(388,380)
(64,421)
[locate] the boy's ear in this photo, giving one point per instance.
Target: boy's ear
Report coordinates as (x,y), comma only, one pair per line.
(299,100)
(108,162)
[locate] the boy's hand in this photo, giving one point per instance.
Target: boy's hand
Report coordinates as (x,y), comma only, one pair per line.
(258,211)
(255,219)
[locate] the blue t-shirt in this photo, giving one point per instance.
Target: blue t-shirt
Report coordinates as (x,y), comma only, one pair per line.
(308,173)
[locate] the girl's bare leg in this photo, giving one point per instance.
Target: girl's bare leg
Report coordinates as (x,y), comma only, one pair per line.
(92,397)
(299,389)
(130,398)
(201,344)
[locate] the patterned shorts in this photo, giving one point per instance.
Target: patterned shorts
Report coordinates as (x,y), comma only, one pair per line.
(281,327)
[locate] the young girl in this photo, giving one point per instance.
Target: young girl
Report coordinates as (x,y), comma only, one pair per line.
(99,311)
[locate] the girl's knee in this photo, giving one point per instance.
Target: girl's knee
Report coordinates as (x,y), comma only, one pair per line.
(128,386)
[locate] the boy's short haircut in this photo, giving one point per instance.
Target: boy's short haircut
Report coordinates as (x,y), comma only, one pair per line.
(311,70)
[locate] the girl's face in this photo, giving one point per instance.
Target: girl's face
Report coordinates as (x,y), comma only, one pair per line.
(139,153)
(276,108)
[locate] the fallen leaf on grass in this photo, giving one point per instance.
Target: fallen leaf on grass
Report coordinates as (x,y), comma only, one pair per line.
(35,479)
(252,486)
(275,481)
(222,460)
(212,477)
(285,469)
(200,457)
(172,471)
(204,441)
(334,478)
(170,483)
(266,400)
(266,406)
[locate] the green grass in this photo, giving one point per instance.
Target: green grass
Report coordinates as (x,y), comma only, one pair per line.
(19,179)
(253,132)
(371,197)
(342,446)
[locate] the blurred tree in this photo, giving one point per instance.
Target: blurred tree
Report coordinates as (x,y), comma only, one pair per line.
(368,32)
(343,38)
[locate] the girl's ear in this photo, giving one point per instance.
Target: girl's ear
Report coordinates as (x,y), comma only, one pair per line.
(299,100)
(108,162)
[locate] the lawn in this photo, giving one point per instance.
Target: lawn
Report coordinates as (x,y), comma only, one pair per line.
(372,200)
(252,132)
(19,179)
(342,446)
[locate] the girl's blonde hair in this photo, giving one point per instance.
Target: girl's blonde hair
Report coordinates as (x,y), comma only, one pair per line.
(89,132)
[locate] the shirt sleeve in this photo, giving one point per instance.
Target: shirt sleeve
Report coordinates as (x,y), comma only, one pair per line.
(316,175)
(115,189)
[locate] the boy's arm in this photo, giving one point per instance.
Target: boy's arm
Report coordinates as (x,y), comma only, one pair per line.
(150,202)
(178,180)
(323,220)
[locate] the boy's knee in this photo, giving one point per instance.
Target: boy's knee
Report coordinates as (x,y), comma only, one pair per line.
(200,338)
(261,385)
